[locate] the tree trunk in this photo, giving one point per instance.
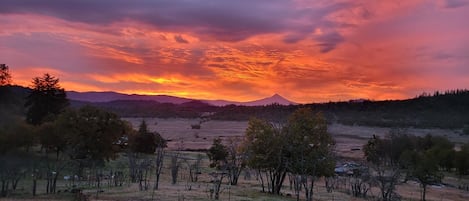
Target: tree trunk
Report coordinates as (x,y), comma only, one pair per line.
(54,183)
(174,169)
(424,191)
(132,166)
(261,178)
(309,191)
(277,183)
(14,182)
(4,188)
(158,166)
(48,184)
(34,185)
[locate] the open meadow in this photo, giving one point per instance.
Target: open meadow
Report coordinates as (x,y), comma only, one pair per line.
(349,139)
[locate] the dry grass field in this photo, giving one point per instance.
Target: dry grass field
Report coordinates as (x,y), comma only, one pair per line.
(349,140)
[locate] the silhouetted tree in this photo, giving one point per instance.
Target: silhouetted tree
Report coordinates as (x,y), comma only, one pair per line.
(16,138)
(5,76)
(5,92)
(92,133)
(46,100)
(144,141)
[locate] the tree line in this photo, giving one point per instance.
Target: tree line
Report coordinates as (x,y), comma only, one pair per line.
(437,110)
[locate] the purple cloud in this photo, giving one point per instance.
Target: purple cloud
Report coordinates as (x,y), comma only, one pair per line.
(328,42)
(180,39)
(454,3)
(222,19)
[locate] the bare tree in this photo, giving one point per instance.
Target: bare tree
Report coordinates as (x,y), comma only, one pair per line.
(216,180)
(194,168)
(387,179)
(236,159)
(360,184)
(159,158)
(175,165)
(386,173)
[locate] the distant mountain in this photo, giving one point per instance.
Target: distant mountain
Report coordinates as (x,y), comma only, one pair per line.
(270,100)
(277,99)
(113,96)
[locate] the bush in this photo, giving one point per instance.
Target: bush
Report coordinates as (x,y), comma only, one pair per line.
(465,130)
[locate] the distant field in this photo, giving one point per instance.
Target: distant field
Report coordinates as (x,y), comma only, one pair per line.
(348,138)
(181,135)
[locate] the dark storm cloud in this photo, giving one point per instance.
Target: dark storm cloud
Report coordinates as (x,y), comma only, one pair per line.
(225,20)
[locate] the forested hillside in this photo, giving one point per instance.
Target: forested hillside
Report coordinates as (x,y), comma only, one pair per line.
(439,110)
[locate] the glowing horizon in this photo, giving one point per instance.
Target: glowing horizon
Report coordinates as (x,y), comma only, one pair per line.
(306,51)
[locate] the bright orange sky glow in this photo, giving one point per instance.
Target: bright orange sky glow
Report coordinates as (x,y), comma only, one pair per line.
(307,51)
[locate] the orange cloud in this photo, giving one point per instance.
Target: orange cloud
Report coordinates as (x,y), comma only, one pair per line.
(311,51)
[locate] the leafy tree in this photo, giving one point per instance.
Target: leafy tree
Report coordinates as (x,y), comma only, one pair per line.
(16,137)
(421,157)
(236,160)
(461,160)
(302,147)
(426,172)
(5,76)
(309,148)
(265,146)
(230,158)
(217,154)
(46,100)
(51,139)
(379,153)
(92,133)
(145,142)
(54,144)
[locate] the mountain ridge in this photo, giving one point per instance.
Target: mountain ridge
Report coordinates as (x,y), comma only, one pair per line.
(108,96)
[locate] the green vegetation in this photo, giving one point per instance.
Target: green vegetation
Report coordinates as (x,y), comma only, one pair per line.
(229,158)
(302,147)
(423,159)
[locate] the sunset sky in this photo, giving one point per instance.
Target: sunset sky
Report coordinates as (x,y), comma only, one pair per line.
(305,50)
